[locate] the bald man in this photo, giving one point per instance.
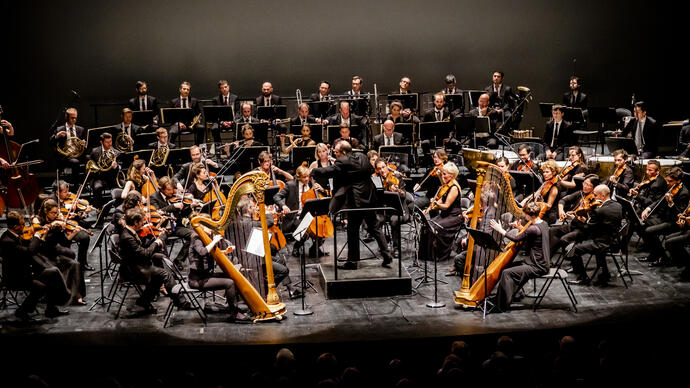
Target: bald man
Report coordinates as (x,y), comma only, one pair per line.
(267,98)
(388,137)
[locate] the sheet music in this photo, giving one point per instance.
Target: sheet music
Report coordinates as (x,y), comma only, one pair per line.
(255,246)
(302,227)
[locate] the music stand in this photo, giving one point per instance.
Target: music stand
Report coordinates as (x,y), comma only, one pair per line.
(143,117)
(433,235)
(397,153)
(358,105)
(525,180)
(178,157)
(143,139)
(578,182)
(574,115)
(603,116)
(250,157)
(218,113)
(621,143)
(260,131)
(320,109)
(128,157)
(407,131)
(435,132)
(545,109)
(394,201)
(103,272)
(488,242)
(93,136)
(455,102)
(271,113)
(409,100)
(176,115)
(474,96)
(302,154)
(316,131)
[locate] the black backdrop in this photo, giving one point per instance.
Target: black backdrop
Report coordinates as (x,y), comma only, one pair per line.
(100,49)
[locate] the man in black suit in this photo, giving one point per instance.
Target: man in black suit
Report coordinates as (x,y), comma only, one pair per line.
(143,101)
(660,218)
(303,118)
(575,98)
(245,116)
(162,200)
(324,93)
(24,268)
(105,177)
(72,132)
(644,131)
(346,135)
(126,127)
(602,230)
(185,101)
(684,139)
(483,110)
(405,83)
(452,89)
(646,194)
(439,112)
(267,98)
(224,98)
(183,174)
(388,136)
(557,134)
(357,83)
(502,97)
(354,189)
(352,120)
(161,140)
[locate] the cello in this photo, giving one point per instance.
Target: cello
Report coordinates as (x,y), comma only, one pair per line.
(19,186)
(321,226)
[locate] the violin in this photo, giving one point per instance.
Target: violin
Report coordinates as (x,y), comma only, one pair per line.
(672,191)
(440,194)
(640,185)
(547,185)
(526,166)
(586,204)
(564,173)
(683,217)
(73,204)
(617,174)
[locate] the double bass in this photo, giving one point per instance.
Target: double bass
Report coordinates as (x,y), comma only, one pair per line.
(18,187)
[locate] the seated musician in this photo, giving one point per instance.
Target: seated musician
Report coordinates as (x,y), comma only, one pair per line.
(575,98)
(440,111)
(69,132)
(126,127)
(24,268)
(185,101)
(535,265)
(137,176)
(449,218)
(322,158)
(302,141)
(267,97)
(622,179)
(345,117)
(675,244)
(245,115)
(289,200)
(202,275)
(62,197)
(102,180)
(502,97)
(324,93)
(143,101)
(548,192)
(7,129)
(504,164)
(557,134)
(601,233)
(247,140)
(392,181)
(389,137)
(167,202)
(404,86)
(201,184)
(224,98)
(651,189)
(161,140)
(55,243)
(399,115)
(574,207)
(266,165)
(353,188)
(356,90)
(644,131)
(525,163)
(575,167)
(484,110)
(138,259)
(345,136)
(432,181)
(183,175)
(303,117)
(660,218)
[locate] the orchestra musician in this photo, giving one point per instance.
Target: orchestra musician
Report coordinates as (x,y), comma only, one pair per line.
(324,93)
(161,139)
(267,98)
(440,112)
(137,176)
(65,132)
(353,188)
(389,136)
(433,180)
(345,117)
(203,277)
(644,131)
(548,192)
(303,117)
(224,98)
(24,268)
(185,101)
(266,165)
(684,140)
(357,83)
(104,180)
(502,97)
(524,163)
(574,208)
(345,136)
(247,140)
(82,237)
(601,231)
(623,178)
(575,98)
(484,110)
(303,141)
(535,265)
(182,176)
(245,115)
(504,164)
(675,244)
(126,126)
(322,159)
(143,101)
(55,243)
(660,218)
(404,86)
(449,218)
(575,167)
(651,189)
(451,88)
(391,180)
(200,186)
(399,115)
(557,134)
(166,201)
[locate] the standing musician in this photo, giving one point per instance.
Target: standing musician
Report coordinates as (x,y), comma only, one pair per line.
(525,163)
(55,244)
(126,127)
(322,159)
(399,115)
(675,244)
(24,268)
(575,167)
(137,177)
(449,218)
(267,98)
(182,176)
(557,134)
(644,131)
(433,180)
(601,232)
(202,275)
(651,189)
(660,218)
(535,265)
(224,98)
(143,101)
(388,137)
(70,132)
(82,236)
(167,202)
(575,98)
(575,208)
(185,101)
(353,187)
(622,179)
(548,192)
(105,177)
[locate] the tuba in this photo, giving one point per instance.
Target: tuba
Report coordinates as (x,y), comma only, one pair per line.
(104,163)
(72,148)
(123,143)
(159,156)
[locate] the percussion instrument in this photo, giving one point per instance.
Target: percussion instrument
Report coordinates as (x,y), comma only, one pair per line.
(602,166)
(511,155)
(472,156)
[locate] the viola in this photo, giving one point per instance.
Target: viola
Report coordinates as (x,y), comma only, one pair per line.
(440,194)
(586,204)
(568,169)
(547,185)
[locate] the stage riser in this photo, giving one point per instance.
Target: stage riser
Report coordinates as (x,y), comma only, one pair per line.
(363,288)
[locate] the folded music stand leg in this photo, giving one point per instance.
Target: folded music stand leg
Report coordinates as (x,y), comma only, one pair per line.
(303,275)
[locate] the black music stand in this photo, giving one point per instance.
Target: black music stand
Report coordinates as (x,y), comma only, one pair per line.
(93,136)
(455,102)
(316,131)
(250,157)
(333,132)
(433,235)
(176,115)
(400,154)
(486,241)
(128,157)
(574,115)
(103,263)
(270,113)
(525,180)
(217,113)
(178,156)
(260,131)
(603,116)
(143,117)
(302,154)
(545,109)
(394,201)
(143,139)
(474,96)
(435,132)
(407,131)
(409,100)
(320,109)
(621,143)
(358,105)
(315,207)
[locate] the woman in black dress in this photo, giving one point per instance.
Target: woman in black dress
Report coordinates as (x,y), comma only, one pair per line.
(448,221)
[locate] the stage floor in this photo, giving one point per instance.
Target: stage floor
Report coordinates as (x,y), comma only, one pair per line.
(656,291)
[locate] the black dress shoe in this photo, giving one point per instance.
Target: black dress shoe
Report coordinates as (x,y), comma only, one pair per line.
(580,281)
(387,262)
(89,268)
(348,265)
(79,303)
(296,293)
(52,312)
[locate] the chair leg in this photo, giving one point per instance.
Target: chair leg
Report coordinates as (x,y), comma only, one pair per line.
(569,292)
(122,301)
(113,291)
(613,257)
